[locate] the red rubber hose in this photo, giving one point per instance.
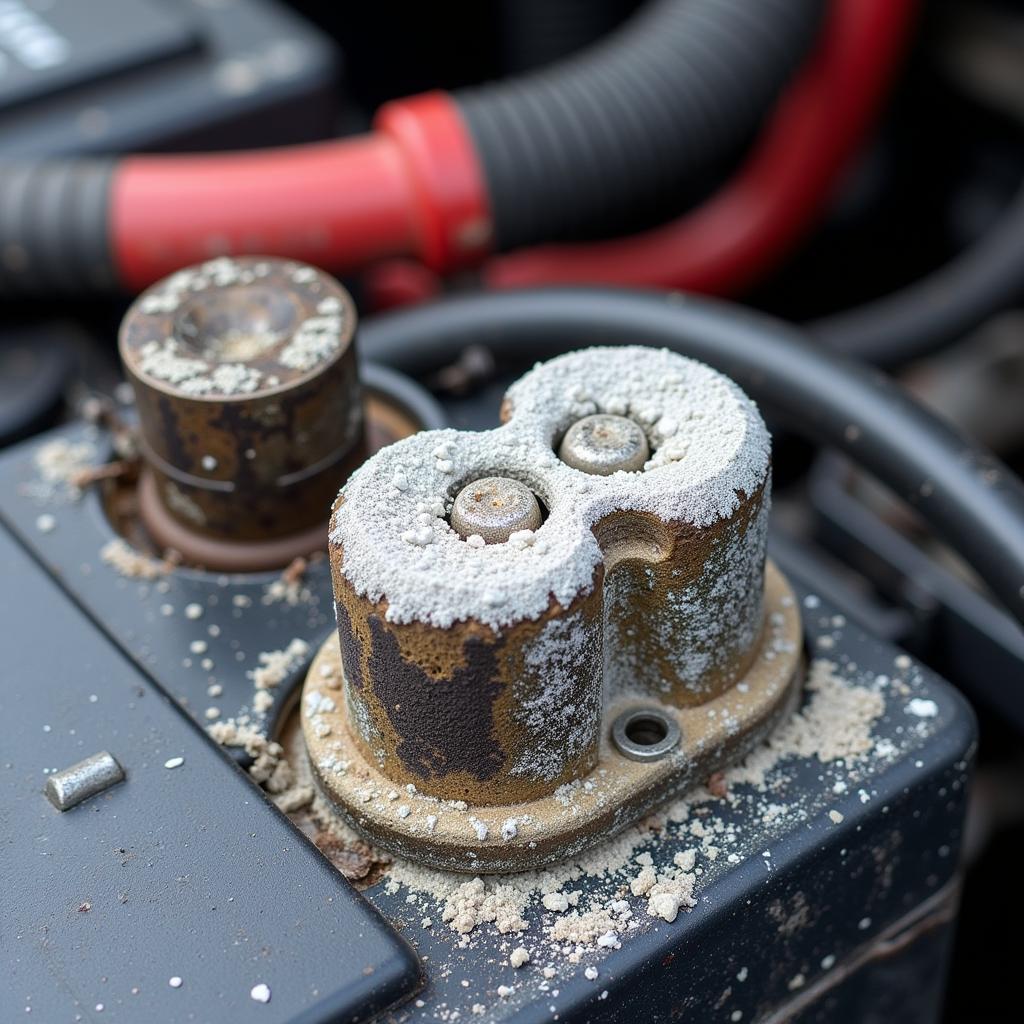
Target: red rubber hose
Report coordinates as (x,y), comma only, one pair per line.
(412,187)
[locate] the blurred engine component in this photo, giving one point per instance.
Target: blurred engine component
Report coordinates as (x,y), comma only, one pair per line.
(449,178)
(110,76)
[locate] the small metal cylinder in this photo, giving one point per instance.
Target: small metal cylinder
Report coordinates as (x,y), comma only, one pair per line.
(493,509)
(249,401)
(71,786)
(603,444)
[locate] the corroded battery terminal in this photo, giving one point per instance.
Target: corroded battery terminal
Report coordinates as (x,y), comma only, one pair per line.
(547,629)
(250,408)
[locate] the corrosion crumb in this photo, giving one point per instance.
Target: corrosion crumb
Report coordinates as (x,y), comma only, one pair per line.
(295,571)
(90,475)
(717,786)
(355,860)
(126,561)
(520,956)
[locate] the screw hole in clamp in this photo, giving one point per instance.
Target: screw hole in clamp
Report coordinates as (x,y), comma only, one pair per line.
(645,734)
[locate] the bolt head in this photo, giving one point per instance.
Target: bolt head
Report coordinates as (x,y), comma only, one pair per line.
(494,508)
(604,444)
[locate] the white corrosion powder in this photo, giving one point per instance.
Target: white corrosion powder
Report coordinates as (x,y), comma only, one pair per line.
(834,726)
(126,561)
(260,993)
(650,872)
(58,465)
(270,768)
(316,339)
(276,666)
(520,955)
(220,368)
(59,461)
(922,708)
(709,442)
(557,727)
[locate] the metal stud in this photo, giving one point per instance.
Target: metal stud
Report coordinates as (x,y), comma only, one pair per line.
(604,444)
(494,508)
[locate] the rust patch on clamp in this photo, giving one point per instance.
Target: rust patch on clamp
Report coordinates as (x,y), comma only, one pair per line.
(443,713)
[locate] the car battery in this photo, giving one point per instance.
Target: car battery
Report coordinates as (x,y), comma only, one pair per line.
(792,855)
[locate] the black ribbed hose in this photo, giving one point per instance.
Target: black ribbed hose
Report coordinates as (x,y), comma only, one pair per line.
(54,218)
(605,137)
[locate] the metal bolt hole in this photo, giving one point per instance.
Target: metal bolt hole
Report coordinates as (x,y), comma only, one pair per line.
(645,734)
(646,731)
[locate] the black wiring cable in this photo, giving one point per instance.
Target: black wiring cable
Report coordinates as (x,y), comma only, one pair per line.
(941,308)
(967,495)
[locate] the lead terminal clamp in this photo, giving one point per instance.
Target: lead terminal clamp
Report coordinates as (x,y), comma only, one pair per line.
(577,599)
